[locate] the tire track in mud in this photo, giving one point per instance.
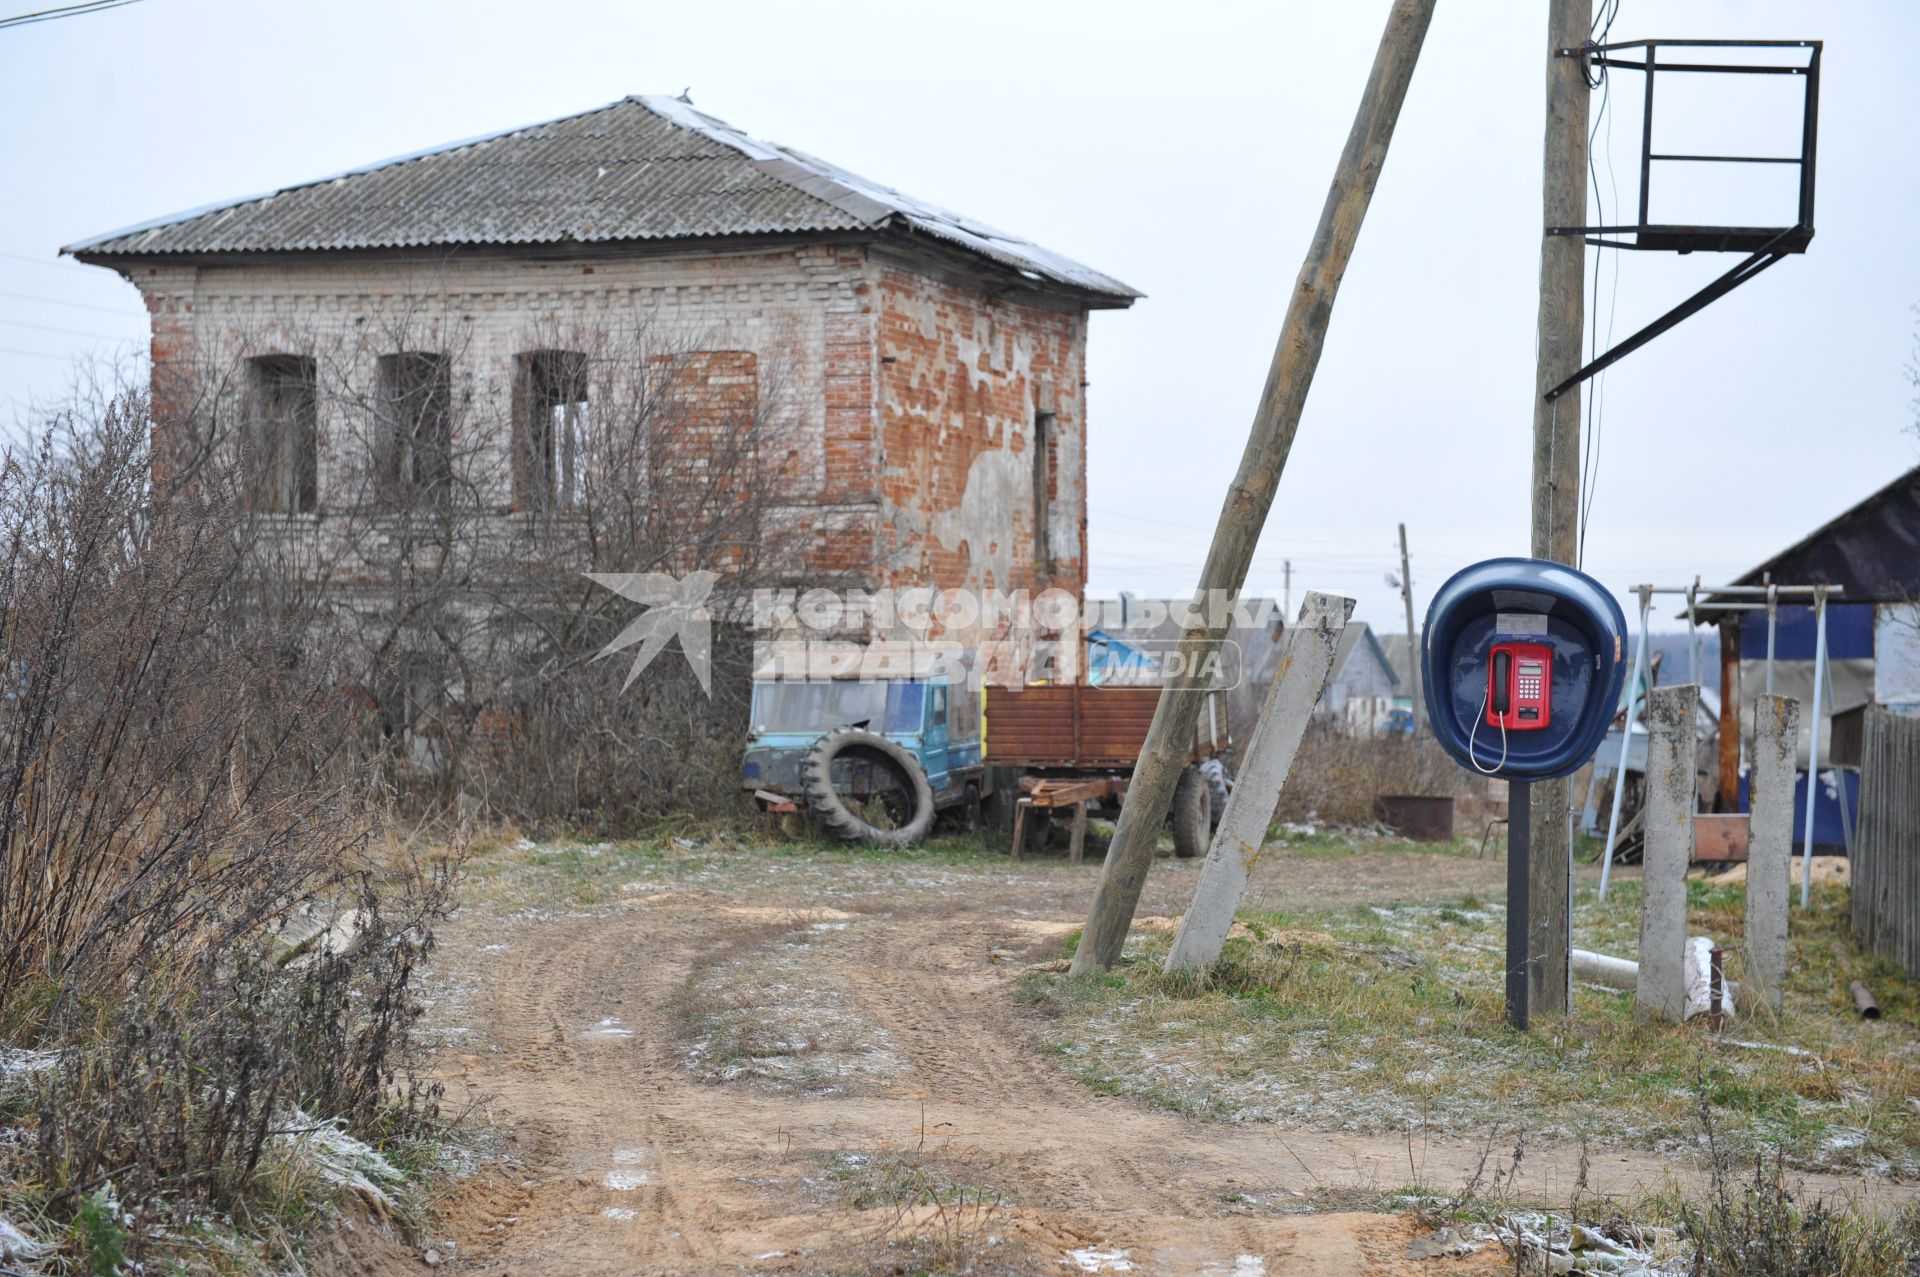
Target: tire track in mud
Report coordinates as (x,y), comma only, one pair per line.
(632,1163)
(579,1009)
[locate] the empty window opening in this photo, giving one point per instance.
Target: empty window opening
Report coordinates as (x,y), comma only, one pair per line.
(281,443)
(1042,490)
(414,450)
(552,442)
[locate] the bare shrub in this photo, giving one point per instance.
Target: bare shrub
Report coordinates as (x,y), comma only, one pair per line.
(445,541)
(1336,777)
(177,781)
(172,775)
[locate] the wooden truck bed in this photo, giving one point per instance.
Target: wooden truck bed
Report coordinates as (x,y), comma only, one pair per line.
(1073,725)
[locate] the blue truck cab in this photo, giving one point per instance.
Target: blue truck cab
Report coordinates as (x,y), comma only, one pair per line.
(859,739)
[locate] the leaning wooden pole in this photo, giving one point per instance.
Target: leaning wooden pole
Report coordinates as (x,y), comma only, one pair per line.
(1244,513)
(1556,470)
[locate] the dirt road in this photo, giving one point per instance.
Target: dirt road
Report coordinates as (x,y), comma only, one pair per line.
(757,1063)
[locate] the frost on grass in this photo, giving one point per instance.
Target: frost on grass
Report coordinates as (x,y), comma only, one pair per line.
(1392,1020)
(341,1161)
(779,1018)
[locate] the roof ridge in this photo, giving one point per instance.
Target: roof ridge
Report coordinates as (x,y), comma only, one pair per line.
(221,206)
(472,204)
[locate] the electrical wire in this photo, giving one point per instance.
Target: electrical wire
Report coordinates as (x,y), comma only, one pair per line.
(55,301)
(64,11)
(55,264)
(34,354)
(1597,77)
(68,332)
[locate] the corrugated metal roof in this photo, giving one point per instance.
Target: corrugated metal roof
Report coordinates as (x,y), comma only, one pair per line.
(1872,549)
(642,168)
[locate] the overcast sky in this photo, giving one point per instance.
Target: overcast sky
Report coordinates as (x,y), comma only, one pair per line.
(1183,148)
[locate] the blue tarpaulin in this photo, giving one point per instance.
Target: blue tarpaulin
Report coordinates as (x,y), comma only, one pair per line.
(1849,633)
(1829,835)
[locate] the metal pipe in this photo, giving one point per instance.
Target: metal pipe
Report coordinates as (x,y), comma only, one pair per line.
(1813,746)
(1693,635)
(1773,624)
(1716,986)
(1519,853)
(1626,739)
(1846,816)
(1863,1001)
(1754,591)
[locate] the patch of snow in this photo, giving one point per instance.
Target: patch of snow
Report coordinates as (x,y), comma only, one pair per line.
(620,1213)
(624,1179)
(1091,1259)
(15,1244)
(341,1160)
(609,1028)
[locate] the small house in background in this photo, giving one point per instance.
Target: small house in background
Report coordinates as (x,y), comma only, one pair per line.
(1398,651)
(1129,635)
(1872,551)
(1360,696)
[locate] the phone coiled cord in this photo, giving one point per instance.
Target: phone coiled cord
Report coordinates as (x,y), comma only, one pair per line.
(1477,718)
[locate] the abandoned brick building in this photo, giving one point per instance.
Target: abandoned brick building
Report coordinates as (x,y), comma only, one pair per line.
(934,368)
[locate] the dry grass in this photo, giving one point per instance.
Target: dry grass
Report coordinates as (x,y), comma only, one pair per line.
(1396,1021)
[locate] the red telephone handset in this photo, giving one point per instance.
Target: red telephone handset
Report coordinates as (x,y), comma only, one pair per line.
(1520,686)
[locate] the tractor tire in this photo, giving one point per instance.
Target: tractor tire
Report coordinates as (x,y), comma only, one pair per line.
(1192,815)
(831,810)
(1220,784)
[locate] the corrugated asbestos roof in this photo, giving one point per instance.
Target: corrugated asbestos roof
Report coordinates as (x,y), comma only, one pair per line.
(643,168)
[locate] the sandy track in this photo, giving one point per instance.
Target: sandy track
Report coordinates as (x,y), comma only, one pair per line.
(622,1159)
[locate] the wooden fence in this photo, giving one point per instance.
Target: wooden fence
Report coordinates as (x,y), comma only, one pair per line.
(1886,864)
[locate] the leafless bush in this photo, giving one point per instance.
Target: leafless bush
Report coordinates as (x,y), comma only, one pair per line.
(177,780)
(440,531)
(1757,1226)
(172,773)
(1336,777)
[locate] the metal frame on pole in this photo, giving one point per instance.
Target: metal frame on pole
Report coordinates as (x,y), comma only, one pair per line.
(1771,594)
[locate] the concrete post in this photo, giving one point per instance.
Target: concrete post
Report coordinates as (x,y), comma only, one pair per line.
(1661,990)
(1305,666)
(1776,740)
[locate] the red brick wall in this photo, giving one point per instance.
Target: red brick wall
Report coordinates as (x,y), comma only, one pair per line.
(962,379)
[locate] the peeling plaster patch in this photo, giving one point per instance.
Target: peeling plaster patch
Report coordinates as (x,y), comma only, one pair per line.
(999,484)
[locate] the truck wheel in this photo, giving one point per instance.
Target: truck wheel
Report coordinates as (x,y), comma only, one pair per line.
(1192,815)
(1220,784)
(898,818)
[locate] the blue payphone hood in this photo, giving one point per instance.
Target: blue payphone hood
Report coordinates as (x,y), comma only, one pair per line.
(1541,602)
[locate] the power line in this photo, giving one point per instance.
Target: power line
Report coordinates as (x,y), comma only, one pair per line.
(36,354)
(56,264)
(64,11)
(55,301)
(67,332)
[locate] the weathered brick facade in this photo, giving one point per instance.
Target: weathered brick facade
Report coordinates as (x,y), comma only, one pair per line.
(909,392)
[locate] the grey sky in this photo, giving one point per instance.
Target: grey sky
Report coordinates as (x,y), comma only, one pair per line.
(1184,149)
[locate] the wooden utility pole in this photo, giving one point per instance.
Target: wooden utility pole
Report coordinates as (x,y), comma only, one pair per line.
(1413,636)
(1244,514)
(1556,469)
